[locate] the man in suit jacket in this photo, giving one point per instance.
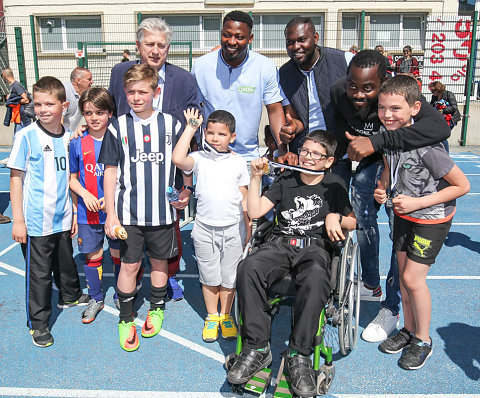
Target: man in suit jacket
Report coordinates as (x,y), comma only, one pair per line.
(178,92)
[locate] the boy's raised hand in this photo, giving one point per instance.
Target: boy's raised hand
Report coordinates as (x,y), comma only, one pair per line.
(380,194)
(194,120)
(257,166)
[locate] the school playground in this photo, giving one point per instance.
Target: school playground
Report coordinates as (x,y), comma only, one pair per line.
(87,361)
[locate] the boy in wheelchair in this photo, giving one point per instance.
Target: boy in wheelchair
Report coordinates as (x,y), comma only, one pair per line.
(312,208)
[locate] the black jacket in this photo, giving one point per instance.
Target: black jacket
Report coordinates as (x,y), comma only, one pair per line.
(429,127)
(452,108)
(330,66)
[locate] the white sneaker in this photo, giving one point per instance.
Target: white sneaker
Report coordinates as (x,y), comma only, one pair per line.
(381,327)
(367,294)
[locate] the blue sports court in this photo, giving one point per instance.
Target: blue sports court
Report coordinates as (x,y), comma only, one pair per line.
(87,361)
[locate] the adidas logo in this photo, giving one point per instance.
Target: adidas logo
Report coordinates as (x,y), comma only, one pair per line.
(47,149)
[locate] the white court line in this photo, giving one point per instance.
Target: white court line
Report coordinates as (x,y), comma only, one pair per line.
(472,174)
(168,335)
(6,250)
(453,224)
(56,392)
(2,273)
(178,276)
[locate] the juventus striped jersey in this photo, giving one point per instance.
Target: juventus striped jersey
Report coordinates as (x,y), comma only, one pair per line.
(43,156)
(142,151)
(83,160)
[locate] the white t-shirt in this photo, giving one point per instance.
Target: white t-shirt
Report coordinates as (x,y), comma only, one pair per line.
(218,178)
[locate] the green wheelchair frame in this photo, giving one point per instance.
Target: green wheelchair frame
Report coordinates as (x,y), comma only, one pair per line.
(342,312)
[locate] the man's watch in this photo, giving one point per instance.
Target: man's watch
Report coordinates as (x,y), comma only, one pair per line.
(190,188)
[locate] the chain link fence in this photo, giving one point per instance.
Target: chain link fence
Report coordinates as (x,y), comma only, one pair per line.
(42,45)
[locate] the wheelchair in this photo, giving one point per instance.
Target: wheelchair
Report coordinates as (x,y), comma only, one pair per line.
(338,320)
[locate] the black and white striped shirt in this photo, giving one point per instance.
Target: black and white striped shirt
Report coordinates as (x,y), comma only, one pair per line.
(142,151)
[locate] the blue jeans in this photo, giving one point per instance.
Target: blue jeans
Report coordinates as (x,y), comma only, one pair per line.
(363,184)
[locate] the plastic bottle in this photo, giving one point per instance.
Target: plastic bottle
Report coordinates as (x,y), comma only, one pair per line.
(172,194)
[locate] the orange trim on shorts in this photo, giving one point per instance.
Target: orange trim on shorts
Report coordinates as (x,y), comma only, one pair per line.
(427,222)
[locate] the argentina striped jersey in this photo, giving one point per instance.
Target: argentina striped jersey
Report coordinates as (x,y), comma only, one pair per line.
(142,151)
(43,157)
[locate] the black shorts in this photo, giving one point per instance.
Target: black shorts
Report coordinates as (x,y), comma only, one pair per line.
(159,242)
(422,242)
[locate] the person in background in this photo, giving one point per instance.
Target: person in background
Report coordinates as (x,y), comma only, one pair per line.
(353,49)
(388,60)
(80,80)
(446,103)
(126,55)
(407,63)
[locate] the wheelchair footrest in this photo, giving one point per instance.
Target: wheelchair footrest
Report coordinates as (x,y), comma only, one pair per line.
(260,382)
(282,389)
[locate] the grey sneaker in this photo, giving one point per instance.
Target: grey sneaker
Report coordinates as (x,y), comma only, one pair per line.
(93,308)
(416,355)
(82,300)
(41,337)
(397,342)
(381,327)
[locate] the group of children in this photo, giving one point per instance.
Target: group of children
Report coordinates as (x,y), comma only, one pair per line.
(119,173)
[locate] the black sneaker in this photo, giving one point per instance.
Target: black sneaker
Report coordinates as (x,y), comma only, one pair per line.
(42,337)
(396,343)
(248,363)
(301,376)
(82,300)
(416,355)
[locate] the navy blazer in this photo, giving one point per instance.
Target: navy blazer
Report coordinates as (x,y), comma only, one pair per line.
(179,90)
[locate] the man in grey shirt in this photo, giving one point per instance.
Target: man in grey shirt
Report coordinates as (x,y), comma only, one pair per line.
(80,81)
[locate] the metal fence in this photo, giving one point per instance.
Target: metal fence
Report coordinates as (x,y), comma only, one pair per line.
(442,44)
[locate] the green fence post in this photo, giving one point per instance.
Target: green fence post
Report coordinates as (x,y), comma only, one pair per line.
(468,82)
(190,55)
(22,75)
(251,16)
(139,18)
(34,46)
(362,30)
(81,61)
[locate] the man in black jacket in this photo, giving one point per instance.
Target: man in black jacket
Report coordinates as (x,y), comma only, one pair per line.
(306,80)
(354,99)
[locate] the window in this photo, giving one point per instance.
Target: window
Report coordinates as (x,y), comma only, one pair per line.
(350,31)
(395,31)
(63,34)
(268,30)
(202,31)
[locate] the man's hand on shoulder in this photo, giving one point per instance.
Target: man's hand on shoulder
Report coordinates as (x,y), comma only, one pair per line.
(359,147)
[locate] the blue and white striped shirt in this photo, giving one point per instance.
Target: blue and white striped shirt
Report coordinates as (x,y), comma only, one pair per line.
(43,156)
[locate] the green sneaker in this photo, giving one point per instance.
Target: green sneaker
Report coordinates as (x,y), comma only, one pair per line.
(128,336)
(153,323)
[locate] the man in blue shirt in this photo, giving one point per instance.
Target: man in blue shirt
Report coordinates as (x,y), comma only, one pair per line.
(240,81)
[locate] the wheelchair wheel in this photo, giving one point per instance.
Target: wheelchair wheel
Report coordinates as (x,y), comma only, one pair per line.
(353,317)
(348,297)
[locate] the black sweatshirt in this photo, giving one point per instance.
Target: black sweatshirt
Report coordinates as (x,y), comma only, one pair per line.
(429,127)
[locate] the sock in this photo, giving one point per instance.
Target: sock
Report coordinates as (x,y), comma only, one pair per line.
(157,297)
(116,267)
(292,352)
(93,274)
(262,349)
(214,314)
(126,305)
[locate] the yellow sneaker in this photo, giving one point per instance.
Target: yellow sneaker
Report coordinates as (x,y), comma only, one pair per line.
(210,330)
(229,330)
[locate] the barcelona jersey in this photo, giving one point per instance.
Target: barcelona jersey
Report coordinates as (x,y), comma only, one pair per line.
(83,160)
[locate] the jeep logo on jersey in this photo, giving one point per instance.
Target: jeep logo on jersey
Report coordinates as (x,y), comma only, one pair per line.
(169,139)
(143,157)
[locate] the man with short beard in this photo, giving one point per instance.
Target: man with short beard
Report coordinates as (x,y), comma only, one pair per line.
(306,80)
(354,100)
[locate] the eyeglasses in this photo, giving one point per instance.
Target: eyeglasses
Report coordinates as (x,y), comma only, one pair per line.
(314,155)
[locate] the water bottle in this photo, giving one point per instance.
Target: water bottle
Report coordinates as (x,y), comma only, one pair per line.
(172,194)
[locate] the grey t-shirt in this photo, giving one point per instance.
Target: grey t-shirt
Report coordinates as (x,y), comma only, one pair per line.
(72,116)
(17,89)
(419,173)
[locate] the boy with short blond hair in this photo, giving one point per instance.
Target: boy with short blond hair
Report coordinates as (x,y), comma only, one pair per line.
(221,222)
(42,209)
(424,183)
(137,155)
(86,181)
